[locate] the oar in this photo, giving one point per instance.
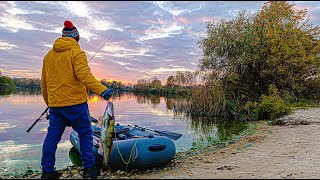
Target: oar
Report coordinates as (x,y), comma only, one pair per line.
(168,134)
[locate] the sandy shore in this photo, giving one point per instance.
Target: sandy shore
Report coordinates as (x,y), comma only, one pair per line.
(291,150)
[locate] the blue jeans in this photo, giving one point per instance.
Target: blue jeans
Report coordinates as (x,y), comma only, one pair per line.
(78,117)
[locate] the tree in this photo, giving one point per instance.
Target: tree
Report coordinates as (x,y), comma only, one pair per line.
(6,81)
(27,82)
(277,45)
(170,81)
(156,84)
(142,82)
(180,78)
(190,78)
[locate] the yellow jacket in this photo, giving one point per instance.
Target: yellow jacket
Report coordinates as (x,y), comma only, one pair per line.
(66,75)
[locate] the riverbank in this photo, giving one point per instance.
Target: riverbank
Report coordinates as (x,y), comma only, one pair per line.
(289,150)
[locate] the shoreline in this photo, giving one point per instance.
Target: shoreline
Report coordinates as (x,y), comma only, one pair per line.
(289,150)
(70,172)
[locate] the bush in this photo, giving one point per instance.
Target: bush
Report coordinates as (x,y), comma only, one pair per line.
(6,81)
(183,92)
(272,106)
(153,91)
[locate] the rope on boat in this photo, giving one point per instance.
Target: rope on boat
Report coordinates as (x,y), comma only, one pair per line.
(135,144)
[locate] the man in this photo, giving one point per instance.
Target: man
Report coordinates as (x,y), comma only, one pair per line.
(65,77)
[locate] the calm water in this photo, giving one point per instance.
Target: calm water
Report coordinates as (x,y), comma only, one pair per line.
(18,110)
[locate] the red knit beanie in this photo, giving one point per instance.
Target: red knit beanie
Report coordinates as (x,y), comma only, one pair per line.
(70,30)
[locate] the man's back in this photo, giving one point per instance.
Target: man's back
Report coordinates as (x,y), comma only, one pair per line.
(65,77)
(66,73)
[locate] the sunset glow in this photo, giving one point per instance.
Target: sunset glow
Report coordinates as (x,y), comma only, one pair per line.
(148,38)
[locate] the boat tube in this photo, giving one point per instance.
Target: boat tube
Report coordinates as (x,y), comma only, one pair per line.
(133,148)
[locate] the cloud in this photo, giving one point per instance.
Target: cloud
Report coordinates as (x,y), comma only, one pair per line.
(11,147)
(13,23)
(65,145)
(116,50)
(7,46)
(156,32)
(174,10)
(148,38)
(4,125)
(102,24)
(163,70)
(77,8)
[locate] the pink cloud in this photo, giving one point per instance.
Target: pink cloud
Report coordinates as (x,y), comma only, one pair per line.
(208,19)
(3,4)
(183,20)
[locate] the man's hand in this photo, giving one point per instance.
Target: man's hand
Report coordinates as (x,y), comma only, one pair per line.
(107,94)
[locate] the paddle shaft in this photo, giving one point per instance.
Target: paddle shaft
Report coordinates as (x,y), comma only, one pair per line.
(168,134)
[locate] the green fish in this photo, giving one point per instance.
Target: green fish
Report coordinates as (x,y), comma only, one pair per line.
(107,134)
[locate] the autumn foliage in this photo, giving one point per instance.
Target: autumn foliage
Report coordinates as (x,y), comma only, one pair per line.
(276,45)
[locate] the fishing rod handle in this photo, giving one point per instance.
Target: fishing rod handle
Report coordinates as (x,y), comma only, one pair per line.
(33,125)
(44,112)
(38,119)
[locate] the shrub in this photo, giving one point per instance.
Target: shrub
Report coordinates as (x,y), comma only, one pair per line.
(6,81)
(272,106)
(153,91)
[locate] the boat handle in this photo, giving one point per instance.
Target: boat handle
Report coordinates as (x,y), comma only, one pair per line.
(157,147)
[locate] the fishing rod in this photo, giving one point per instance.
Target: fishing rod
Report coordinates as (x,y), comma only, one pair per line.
(99,49)
(39,119)
(46,111)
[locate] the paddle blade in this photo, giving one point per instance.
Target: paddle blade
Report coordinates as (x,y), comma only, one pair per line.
(170,135)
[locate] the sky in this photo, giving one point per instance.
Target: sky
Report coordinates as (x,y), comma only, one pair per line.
(148,38)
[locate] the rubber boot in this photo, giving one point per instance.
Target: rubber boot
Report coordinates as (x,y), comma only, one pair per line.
(50,175)
(90,173)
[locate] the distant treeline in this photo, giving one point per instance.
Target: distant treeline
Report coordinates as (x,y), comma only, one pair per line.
(180,84)
(6,81)
(27,82)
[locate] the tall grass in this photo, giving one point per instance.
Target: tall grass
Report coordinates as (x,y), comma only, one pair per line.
(208,100)
(213,101)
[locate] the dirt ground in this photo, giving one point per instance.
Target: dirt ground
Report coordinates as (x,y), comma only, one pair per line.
(291,150)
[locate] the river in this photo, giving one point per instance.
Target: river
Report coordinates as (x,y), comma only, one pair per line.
(19,109)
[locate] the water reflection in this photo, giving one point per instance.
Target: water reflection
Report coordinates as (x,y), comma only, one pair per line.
(6,91)
(21,107)
(147,99)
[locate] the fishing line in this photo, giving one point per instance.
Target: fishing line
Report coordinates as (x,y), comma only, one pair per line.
(99,49)
(88,62)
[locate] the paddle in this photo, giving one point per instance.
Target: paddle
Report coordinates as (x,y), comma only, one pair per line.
(168,134)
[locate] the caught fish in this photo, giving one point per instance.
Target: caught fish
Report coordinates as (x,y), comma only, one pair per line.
(106,135)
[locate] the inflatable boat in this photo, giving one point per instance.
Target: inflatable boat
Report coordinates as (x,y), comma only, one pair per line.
(133,148)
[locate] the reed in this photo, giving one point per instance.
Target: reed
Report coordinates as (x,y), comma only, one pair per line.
(208,100)
(212,100)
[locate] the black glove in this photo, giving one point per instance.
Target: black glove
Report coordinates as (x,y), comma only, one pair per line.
(107,94)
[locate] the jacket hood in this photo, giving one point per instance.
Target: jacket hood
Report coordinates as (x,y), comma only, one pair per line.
(64,44)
